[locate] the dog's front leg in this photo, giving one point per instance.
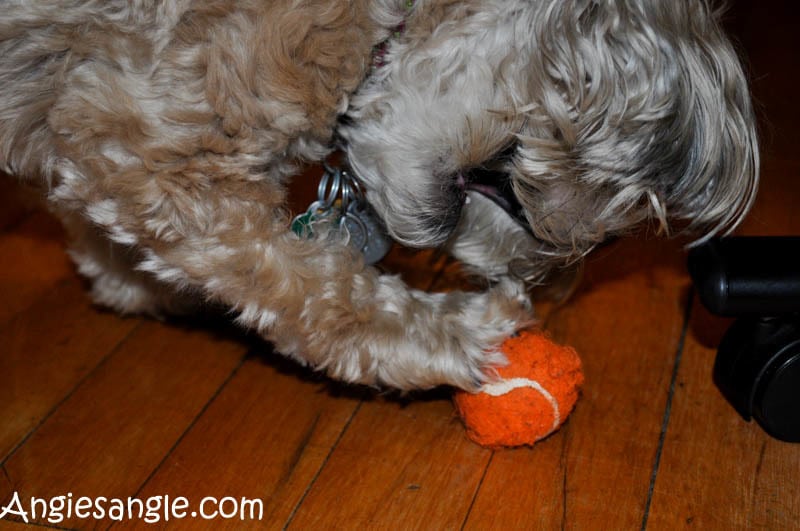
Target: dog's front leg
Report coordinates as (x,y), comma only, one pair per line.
(313,298)
(361,326)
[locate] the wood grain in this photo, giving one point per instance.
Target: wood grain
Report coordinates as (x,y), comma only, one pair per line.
(396,463)
(265,436)
(33,261)
(46,353)
(117,426)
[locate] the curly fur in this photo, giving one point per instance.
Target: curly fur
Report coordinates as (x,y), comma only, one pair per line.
(164,133)
(619,112)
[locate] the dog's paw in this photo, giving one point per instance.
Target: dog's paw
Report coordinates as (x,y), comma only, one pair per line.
(453,338)
(489,319)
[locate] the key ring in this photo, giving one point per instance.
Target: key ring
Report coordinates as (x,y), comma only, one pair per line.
(341,204)
(326,196)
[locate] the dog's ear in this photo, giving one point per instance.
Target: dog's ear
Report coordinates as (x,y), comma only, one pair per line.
(719,158)
(640,110)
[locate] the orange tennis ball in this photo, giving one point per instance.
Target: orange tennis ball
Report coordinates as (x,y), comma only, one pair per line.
(532,397)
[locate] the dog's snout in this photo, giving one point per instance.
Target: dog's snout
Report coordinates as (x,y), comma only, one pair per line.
(440,217)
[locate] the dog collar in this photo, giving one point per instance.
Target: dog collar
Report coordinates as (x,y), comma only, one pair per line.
(379,52)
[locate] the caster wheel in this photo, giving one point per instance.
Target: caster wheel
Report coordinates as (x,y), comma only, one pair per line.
(758,371)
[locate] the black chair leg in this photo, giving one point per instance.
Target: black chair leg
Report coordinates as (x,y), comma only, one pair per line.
(757,368)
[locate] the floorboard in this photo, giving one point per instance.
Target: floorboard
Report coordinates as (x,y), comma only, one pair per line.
(114,430)
(396,463)
(267,434)
(33,261)
(47,353)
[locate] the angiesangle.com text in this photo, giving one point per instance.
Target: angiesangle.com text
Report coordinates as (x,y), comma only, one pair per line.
(153,509)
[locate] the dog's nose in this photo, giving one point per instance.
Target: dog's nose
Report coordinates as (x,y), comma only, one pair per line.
(441,212)
(443,227)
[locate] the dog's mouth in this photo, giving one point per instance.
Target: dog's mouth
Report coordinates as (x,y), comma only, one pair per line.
(496,186)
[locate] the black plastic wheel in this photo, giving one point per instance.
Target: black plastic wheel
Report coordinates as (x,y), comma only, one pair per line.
(758,371)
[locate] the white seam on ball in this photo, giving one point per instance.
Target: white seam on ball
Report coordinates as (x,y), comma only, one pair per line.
(504,386)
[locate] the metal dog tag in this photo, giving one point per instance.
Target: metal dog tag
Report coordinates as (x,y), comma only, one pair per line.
(366,232)
(340,200)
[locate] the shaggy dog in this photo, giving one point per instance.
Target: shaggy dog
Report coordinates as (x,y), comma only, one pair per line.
(164,133)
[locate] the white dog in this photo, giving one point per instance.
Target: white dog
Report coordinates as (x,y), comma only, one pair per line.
(164,132)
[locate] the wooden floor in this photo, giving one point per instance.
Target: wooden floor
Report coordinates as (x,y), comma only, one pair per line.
(97,405)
